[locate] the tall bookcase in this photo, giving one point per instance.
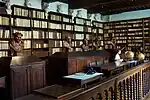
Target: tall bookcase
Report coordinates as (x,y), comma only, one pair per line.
(21,22)
(39,32)
(98,30)
(132,34)
(146,37)
(5,34)
(79,34)
(32,24)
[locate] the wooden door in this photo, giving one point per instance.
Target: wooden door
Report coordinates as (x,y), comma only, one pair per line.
(19,80)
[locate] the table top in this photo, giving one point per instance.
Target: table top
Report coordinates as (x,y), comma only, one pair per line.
(58,91)
(83,76)
(34,97)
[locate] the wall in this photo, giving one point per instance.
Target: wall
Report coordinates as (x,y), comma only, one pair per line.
(34,3)
(53,7)
(130,15)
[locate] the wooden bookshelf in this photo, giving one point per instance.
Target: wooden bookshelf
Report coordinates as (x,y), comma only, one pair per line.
(5,34)
(134,34)
(43,34)
(79,32)
(98,33)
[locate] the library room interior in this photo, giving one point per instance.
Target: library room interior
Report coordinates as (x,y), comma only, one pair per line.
(74,49)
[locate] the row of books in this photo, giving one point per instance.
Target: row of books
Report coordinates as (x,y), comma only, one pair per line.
(29,13)
(3,53)
(26,34)
(27,44)
(67,27)
(55,35)
(88,23)
(38,14)
(79,36)
(121,38)
(88,29)
(67,20)
(4,20)
(39,24)
(40,45)
(54,43)
(79,21)
(4,34)
(22,22)
(4,45)
(100,31)
(123,41)
(54,26)
(22,12)
(98,25)
(137,45)
(79,28)
(38,35)
(55,17)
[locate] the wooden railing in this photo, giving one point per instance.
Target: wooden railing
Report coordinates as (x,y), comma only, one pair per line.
(132,84)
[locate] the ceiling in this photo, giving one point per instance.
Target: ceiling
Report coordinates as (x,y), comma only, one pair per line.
(106,7)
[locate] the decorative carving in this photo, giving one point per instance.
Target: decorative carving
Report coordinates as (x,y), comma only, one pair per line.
(89,16)
(27,3)
(70,12)
(8,6)
(45,5)
(99,96)
(96,17)
(112,93)
(106,94)
(79,13)
(59,8)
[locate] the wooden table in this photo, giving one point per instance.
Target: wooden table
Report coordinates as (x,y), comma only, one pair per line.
(84,78)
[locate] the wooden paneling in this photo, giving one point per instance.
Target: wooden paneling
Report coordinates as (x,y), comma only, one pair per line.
(81,64)
(37,75)
(20,80)
(72,66)
(26,78)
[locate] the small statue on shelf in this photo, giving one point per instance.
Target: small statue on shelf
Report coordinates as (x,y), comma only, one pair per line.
(85,45)
(45,6)
(67,44)
(8,7)
(70,12)
(27,3)
(79,13)
(89,16)
(59,8)
(96,16)
(16,45)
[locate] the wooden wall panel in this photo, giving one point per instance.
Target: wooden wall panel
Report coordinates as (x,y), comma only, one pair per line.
(20,80)
(37,75)
(72,66)
(81,64)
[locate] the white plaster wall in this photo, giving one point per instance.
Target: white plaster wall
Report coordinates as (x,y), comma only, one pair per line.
(53,7)
(34,3)
(130,15)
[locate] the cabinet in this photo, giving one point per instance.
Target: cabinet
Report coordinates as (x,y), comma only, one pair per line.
(37,75)
(20,80)
(26,78)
